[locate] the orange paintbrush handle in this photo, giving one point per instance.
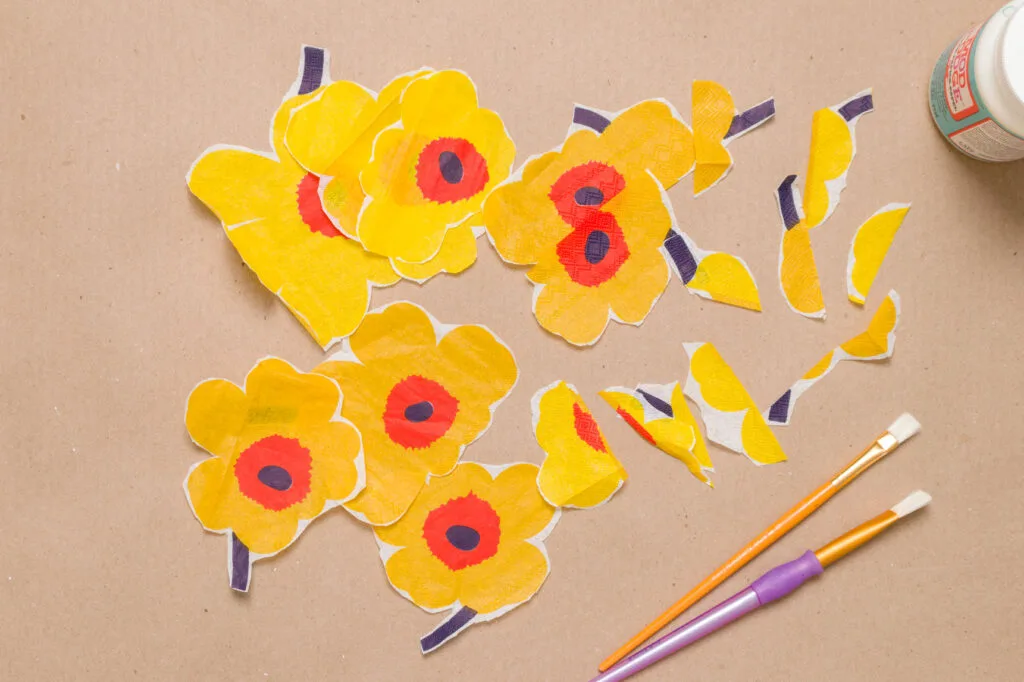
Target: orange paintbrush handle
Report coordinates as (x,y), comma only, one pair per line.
(900,430)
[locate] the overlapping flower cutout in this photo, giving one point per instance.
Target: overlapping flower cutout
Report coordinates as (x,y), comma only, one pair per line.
(419,392)
(361,189)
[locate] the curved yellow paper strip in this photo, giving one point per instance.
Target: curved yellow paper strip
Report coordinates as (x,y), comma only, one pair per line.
(280,456)
(713,111)
(833,147)
(729,413)
(579,469)
(868,248)
(877,342)
(472,543)
(798,274)
(659,414)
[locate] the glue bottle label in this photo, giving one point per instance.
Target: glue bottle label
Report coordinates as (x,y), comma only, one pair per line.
(958,108)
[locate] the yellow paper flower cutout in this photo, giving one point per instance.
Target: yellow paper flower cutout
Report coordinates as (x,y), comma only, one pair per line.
(332,136)
(590,216)
(270,208)
(669,425)
(280,456)
(579,469)
(868,248)
(729,413)
(471,542)
(419,392)
(875,343)
(431,171)
(713,275)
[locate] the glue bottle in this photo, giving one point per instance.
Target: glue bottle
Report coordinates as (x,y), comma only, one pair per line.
(977,88)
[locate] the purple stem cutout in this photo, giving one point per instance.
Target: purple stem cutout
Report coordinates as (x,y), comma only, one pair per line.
(778,413)
(754,116)
(856,107)
(787,203)
(686,264)
(241,565)
(448,629)
(312,69)
(589,118)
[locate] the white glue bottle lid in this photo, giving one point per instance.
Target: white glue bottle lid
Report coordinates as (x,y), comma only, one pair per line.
(1002,80)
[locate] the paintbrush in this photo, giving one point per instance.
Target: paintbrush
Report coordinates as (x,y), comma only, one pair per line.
(771,586)
(898,433)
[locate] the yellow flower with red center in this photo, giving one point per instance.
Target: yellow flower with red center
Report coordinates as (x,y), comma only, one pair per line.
(280,456)
(579,469)
(472,543)
(430,172)
(590,217)
(271,211)
(419,392)
(332,136)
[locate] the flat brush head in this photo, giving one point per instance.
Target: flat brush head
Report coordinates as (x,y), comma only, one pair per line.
(914,501)
(905,427)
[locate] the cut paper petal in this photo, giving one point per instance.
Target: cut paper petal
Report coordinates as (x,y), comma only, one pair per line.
(590,216)
(659,414)
(280,455)
(868,248)
(420,392)
(876,343)
(798,273)
(833,146)
(729,413)
(579,469)
(713,275)
(472,544)
(716,122)
(270,208)
(431,170)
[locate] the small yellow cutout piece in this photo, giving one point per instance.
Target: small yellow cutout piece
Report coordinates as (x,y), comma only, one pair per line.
(798,273)
(869,247)
(716,122)
(579,469)
(875,343)
(713,275)
(729,413)
(659,414)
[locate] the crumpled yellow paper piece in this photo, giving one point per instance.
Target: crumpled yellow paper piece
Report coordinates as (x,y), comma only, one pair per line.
(869,247)
(716,123)
(579,469)
(658,413)
(471,544)
(729,413)
(877,342)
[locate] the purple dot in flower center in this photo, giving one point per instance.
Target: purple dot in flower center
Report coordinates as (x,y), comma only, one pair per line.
(275,477)
(463,537)
(589,196)
(419,412)
(597,247)
(451,167)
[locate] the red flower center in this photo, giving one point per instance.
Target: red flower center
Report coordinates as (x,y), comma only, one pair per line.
(274,472)
(586,428)
(450,169)
(637,426)
(463,532)
(312,210)
(596,248)
(418,411)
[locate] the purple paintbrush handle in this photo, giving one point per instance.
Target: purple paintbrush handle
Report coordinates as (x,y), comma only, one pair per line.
(774,584)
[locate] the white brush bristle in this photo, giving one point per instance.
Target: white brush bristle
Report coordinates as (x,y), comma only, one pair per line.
(912,503)
(905,427)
